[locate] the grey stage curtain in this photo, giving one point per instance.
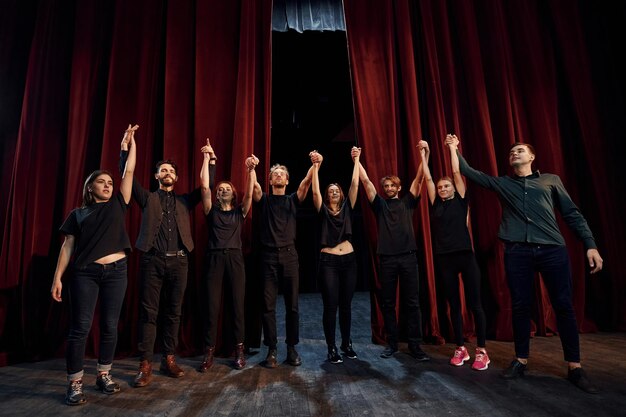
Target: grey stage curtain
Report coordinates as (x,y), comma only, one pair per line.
(301,15)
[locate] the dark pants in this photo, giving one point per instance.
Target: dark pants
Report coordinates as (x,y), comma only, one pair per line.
(402,268)
(279,269)
(337,275)
(159,273)
(225,264)
(449,266)
(107,282)
(521,262)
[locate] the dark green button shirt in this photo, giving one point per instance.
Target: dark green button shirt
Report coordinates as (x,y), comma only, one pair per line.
(528,205)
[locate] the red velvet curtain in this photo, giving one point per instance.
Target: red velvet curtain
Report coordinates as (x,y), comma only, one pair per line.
(73,74)
(494,73)
(183,71)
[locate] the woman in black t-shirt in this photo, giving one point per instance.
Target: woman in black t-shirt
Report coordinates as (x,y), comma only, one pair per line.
(454,255)
(337,265)
(224,258)
(96,238)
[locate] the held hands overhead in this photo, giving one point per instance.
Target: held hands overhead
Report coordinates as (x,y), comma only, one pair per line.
(129,136)
(316,157)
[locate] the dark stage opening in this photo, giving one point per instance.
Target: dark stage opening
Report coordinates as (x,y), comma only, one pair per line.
(312,109)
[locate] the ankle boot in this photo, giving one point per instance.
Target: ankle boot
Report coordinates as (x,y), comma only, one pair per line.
(207,362)
(240,357)
(144,376)
(170,368)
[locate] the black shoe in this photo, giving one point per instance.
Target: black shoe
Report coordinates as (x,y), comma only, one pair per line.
(515,369)
(293,358)
(579,378)
(389,351)
(105,383)
(347,351)
(74,394)
(417,352)
(271,360)
(333,355)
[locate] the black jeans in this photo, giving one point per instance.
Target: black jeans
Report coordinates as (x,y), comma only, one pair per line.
(521,262)
(449,265)
(225,264)
(168,274)
(108,283)
(337,274)
(402,268)
(279,269)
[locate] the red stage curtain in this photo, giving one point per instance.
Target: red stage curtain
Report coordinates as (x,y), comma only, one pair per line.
(74,74)
(182,70)
(493,73)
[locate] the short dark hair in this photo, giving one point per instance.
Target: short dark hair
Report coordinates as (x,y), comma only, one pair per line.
(167,161)
(528,145)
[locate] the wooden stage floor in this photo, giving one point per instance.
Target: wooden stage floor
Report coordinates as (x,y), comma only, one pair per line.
(368,386)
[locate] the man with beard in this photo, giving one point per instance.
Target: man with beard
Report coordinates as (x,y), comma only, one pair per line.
(397,254)
(165,242)
(279,259)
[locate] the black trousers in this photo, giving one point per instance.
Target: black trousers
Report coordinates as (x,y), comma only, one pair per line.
(279,269)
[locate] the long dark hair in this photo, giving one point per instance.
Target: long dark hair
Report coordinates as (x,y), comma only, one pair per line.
(87,195)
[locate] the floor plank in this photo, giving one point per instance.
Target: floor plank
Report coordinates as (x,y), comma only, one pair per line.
(368,386)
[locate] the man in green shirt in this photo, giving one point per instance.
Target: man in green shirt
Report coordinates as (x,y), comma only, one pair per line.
(533,243)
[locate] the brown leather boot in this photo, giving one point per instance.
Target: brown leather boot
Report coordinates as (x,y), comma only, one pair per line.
(207,362)
(144,376)
(240,357)
(170,368)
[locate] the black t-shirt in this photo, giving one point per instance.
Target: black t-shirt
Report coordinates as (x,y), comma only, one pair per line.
(99,230)
(278,219)
(225,228)
(394,217)
(449,222)
(335,229)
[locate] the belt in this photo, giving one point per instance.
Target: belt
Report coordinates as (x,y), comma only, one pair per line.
(278,248)
(178,253)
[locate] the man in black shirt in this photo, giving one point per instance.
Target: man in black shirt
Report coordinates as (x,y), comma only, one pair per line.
(397,254)
(165,241)
(533,243)
(279,259)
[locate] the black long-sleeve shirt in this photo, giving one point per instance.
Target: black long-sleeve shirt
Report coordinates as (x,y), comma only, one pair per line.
(528,205)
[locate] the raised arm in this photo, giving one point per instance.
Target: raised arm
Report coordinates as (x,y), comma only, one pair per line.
(430,184)
(67,249)
(303,188)
(315,182)
(370,190)
(128,144)
(205,177)
(474,175)
(416,184)
(354,183)
(459,182)
(251,164)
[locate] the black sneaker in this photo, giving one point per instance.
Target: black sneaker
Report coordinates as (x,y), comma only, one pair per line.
(105,383)
(579,378)
(515,369)
(293,358)
(417,352)
(74,394)
(348,352)
(271,360)
(333,355)
(389,351)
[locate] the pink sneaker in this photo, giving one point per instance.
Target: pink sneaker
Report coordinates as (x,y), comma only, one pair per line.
(482,361)
(460,356)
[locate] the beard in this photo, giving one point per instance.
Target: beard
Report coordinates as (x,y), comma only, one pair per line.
(167,181)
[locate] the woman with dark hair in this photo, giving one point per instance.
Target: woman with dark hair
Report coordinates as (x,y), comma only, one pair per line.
(224,258)
(337,264)
(96,240)
(454,255)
